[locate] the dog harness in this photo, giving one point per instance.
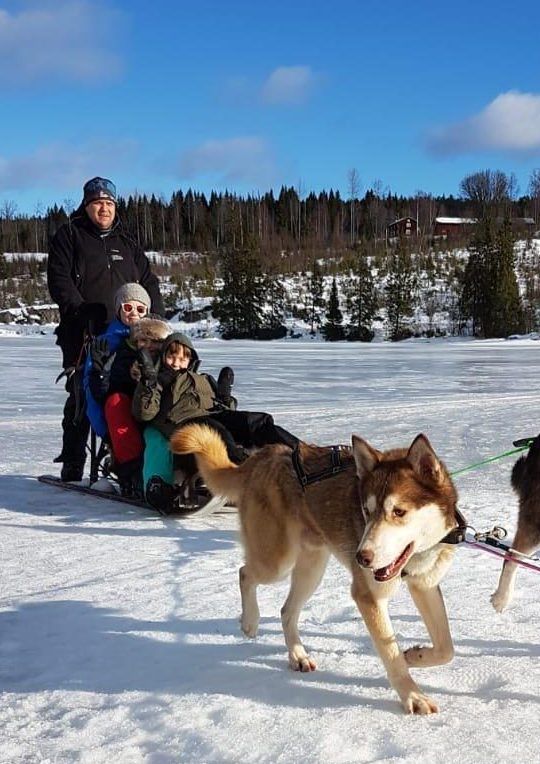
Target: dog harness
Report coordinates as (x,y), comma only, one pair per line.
(335,467)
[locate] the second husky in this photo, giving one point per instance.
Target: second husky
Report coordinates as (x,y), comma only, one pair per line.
(525,481)
(383,515)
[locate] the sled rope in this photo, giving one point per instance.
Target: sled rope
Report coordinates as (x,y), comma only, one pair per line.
(493,458)
(491,543)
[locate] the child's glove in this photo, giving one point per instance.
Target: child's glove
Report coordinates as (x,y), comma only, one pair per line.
(167,376)
(149,371)
(100,353)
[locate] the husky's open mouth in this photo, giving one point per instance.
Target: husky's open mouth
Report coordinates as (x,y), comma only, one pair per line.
(389,571)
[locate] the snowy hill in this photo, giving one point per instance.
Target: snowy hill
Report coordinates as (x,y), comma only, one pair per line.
(435,298)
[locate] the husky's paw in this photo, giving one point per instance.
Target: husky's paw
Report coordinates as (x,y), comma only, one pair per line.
(299,660)
(500,601)
(418,703)
(249,626)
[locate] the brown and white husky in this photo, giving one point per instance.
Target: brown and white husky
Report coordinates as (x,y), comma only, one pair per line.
(525,481)
(383,516)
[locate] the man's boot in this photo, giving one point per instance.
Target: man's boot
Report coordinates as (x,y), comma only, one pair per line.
(71,472)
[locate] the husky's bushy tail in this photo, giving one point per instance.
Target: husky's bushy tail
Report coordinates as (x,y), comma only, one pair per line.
(217,470)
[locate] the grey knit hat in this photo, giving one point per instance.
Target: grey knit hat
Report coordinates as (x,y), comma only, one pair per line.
(131,291)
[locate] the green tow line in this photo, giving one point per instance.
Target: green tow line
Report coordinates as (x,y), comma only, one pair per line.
(522,444)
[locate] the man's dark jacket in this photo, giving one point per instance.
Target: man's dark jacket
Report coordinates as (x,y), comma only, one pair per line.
(86,267)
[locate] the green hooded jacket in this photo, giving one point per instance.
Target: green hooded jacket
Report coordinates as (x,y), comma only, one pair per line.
(176,396)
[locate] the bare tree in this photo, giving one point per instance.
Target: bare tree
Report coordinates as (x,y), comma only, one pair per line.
(38,213)
(69,205)
(489,190)
(353,181)
(8,209)
(296,215)
(8,215)
(376,208)
(163,206)
(534,191)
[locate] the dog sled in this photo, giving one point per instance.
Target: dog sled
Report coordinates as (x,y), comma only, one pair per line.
(191,497)
(187,497)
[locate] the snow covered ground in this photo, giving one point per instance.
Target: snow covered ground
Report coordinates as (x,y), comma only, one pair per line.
(119,639)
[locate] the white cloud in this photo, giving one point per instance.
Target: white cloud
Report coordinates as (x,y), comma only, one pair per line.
(511,123)
(63,40)
(63,167)
(245,160)
(288,85)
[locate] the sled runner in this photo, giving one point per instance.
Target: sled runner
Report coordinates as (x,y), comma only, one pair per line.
(104,489)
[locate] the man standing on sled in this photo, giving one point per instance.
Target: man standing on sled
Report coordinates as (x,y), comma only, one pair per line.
(89,259)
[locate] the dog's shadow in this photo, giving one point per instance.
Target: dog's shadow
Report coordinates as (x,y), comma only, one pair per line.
(67,645)
(72,645)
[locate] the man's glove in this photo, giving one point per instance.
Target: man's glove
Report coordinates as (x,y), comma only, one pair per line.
(149,371)
(92,316)
(100,353)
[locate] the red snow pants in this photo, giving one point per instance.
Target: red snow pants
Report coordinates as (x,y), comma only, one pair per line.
(124,432)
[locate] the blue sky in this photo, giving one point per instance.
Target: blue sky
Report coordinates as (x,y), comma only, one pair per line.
(249,96)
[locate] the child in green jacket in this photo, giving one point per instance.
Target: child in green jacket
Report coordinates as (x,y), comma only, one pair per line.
(172,393)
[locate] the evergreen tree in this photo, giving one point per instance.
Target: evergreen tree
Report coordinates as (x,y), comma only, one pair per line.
(490,293)
(400,285)
(333,329)
(507,315)
(239,304)
(361,299)
(275,301)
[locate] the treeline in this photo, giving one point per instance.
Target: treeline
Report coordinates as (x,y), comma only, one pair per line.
(349,295)
(481,295)
(346,282)
(406,294)
(288,221)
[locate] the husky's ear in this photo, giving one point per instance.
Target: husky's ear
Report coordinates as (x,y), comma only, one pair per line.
(424,461)
(365,456)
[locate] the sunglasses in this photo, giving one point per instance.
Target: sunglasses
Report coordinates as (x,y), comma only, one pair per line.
(127,307)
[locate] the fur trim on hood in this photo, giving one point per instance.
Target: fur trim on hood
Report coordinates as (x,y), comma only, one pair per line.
(150,329)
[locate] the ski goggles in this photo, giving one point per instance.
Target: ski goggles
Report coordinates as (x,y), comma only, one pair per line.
(128,307)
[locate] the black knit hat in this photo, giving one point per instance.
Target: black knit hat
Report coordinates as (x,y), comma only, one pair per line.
(98,188)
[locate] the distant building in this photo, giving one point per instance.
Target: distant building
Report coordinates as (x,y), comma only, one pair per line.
(520,225)
(402,227)
(449,227)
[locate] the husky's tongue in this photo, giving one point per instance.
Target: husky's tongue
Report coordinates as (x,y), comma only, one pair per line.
(389,571)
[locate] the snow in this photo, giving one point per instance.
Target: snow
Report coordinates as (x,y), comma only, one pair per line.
(119,639)
(10,256)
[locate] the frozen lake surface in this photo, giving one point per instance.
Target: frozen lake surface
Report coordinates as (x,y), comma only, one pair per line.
(119,639)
